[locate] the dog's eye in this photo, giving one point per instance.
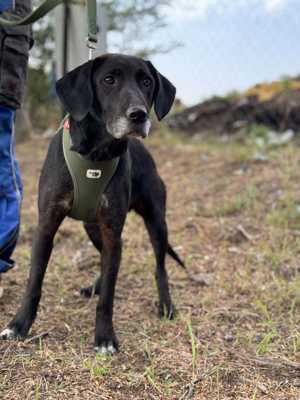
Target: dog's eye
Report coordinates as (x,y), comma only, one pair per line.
(147,82)
(109,79)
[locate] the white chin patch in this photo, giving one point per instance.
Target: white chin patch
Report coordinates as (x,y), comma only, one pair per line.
(122,127)
(147,127)
(119,128)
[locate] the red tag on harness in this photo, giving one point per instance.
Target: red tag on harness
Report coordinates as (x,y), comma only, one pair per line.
(67,124)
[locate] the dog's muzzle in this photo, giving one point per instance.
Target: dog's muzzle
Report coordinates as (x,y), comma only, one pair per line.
(136,123)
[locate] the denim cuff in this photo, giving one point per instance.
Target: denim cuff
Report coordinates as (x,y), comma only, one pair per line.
(6,265)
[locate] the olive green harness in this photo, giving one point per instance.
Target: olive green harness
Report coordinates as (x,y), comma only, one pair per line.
(90,179)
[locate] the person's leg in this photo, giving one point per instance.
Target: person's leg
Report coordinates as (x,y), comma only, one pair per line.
(14,47)
(10,189)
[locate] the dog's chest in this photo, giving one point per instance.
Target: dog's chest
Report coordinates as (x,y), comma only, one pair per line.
(90,179)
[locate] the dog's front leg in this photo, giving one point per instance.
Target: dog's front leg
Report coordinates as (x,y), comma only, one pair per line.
(41,251)
(105,339)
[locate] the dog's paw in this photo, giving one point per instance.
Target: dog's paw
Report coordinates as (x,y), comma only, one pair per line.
(107,348)
(167,311)
(8,334)
(87,292)
(90,291)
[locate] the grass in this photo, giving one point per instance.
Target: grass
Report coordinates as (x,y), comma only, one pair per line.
(228,333)
(194,348)
(230,205)
(264,345)
(286,214)
(98,366)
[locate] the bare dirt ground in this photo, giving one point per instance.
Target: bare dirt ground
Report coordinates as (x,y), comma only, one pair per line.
(236,223)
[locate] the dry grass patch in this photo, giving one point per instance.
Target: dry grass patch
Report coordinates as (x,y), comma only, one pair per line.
(235,222)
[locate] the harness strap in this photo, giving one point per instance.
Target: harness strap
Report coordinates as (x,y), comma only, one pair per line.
(90,179)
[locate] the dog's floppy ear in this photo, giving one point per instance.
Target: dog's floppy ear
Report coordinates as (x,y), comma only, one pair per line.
(75,91)
(164,93)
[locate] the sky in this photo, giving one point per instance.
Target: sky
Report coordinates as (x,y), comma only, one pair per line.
(229,45)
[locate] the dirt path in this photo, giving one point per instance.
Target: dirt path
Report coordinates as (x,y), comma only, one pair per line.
(236,223)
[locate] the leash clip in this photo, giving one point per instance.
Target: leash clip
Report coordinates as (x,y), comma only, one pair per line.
(91,45)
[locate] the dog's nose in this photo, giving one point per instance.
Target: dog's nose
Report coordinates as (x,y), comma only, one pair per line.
(137,114)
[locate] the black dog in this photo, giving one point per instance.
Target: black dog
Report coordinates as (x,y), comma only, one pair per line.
(108,100)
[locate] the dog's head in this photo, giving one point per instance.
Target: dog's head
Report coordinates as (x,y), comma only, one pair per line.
(118,91)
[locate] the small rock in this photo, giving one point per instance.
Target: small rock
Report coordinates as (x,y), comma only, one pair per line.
(259,157)
(229,338)
(280,139)
(262,388)
(192,117)
(191,226)
(204,157)
(234,250)
(201,279)
(242,170)
(257,339)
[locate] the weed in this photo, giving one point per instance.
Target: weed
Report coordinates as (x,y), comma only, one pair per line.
(99,366)
(194,346)
(150,376)
(286,214)
(264,346)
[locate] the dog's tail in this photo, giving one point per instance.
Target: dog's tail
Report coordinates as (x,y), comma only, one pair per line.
(175,256)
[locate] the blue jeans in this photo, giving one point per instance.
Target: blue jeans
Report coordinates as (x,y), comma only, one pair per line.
(5,5)
(10,189)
